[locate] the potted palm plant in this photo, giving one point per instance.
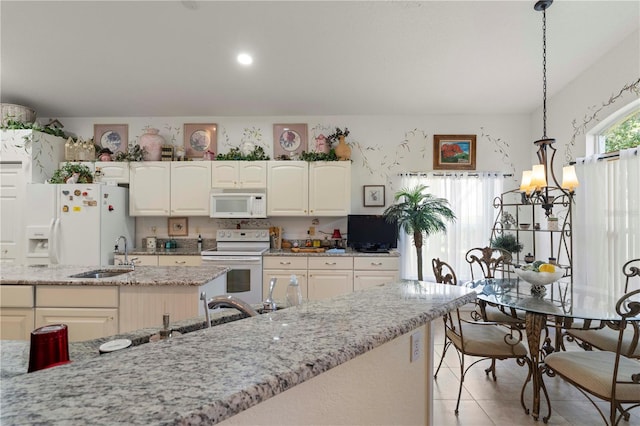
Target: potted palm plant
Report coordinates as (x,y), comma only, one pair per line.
(419,214)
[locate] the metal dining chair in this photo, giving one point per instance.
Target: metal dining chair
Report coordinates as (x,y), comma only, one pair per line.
(605,338)
(486,340)
(606,375)
(485,262)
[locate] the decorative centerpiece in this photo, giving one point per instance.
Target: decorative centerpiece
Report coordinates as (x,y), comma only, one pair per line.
(539,274)
(343,151)
(507,220)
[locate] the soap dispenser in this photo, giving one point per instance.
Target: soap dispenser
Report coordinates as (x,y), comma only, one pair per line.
(199,243)
(294,295)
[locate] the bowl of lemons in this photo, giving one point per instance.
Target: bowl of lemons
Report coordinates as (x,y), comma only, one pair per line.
(540,273)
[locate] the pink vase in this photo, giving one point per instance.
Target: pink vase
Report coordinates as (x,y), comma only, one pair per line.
(152,142)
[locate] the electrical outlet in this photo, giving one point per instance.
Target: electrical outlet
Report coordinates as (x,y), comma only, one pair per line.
(416,346)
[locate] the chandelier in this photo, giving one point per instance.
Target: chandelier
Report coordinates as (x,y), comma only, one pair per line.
(534,182)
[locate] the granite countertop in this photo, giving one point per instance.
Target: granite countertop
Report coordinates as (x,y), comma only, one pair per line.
(209,375)
(141,275)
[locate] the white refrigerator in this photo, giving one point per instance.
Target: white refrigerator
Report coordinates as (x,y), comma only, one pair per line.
(76,224)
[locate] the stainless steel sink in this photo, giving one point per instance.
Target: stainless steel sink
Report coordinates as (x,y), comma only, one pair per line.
(101,273)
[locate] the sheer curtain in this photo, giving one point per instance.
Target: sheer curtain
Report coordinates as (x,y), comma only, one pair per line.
(607,220)
(470,196)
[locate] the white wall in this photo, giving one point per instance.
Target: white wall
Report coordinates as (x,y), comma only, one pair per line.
(382,146)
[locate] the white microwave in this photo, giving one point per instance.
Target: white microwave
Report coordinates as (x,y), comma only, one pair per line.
(238,205)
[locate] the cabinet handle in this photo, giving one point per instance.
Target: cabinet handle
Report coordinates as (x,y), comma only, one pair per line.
(376,263)
(285,263)
(329,263)
(180,262)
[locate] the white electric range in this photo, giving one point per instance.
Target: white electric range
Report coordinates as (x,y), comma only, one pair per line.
(241,250)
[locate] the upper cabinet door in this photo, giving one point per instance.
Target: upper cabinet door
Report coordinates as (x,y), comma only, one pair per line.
(190,187)
(149,188)
(239,174)
(330,188)
(287,190)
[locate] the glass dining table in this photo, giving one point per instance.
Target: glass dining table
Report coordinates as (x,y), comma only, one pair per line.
(561,306)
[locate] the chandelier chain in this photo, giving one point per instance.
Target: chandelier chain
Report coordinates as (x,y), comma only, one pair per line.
(544,74)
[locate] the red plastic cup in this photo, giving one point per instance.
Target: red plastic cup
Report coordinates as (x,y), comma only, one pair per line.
(49,347)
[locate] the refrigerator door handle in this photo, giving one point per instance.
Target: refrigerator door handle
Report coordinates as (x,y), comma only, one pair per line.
(54,228)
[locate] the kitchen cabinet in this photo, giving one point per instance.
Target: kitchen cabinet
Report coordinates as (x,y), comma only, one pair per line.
(329,277)
(282,267)
(330,188)
(179,260)
(239,174)
(12,200)
(113,171)
(298,188)
(176,188)
(190,186)
(150,188)
(16,312)
(88,312)
(372,271)
(288,188)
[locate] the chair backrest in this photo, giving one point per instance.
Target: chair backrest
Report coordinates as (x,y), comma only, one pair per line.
(628,306)
(631,269)
(487,260)
(443,272)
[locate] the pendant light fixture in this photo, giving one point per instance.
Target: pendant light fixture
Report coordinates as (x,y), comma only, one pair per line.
(534,184)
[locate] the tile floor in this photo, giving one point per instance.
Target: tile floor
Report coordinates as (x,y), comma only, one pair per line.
(485,402)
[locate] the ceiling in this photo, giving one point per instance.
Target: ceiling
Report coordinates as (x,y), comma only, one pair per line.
(177,58)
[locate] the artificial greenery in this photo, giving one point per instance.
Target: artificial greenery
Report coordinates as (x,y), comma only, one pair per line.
(135,154)
(419,214)
(507,242)
(336,135)
(19,125)
(235,154)
(68,169)
(319,156)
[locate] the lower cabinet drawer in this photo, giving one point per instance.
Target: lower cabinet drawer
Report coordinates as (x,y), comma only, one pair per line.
(76,296)
(330,262)
(284,262)
(375,263)
(16,296)
(179,260)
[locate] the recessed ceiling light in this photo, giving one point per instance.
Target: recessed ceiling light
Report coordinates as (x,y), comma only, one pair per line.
(245,59)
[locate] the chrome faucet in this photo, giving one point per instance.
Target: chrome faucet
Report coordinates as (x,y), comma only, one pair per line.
(227,301)
(269,305)
(126,251)
(207,318)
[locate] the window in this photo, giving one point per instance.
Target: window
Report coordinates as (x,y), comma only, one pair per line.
(622,134)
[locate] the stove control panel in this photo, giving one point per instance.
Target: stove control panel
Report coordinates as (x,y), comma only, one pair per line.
(242,235)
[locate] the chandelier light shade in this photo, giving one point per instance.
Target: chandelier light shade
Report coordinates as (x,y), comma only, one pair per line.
(534,182)
(569,178)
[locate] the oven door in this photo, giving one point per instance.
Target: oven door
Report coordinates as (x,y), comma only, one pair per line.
(244,280)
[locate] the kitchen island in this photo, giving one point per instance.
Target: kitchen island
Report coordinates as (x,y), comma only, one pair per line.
(297,365)
(32,296)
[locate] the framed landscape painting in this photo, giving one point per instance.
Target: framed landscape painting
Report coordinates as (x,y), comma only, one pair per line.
(454,152)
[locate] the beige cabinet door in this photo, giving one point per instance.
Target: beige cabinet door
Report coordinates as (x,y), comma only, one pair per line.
(190,187)
(16,323)
(287,190)
(324,284)
(149,188)
(253,174)
(83,323)
(330,188)
(179,261)
(113,171)
(224,174)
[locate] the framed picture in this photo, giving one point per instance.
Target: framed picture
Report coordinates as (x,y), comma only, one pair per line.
(289,140)
(178,227)
(454,152)
(373,195)
(199,138)
(112,136)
